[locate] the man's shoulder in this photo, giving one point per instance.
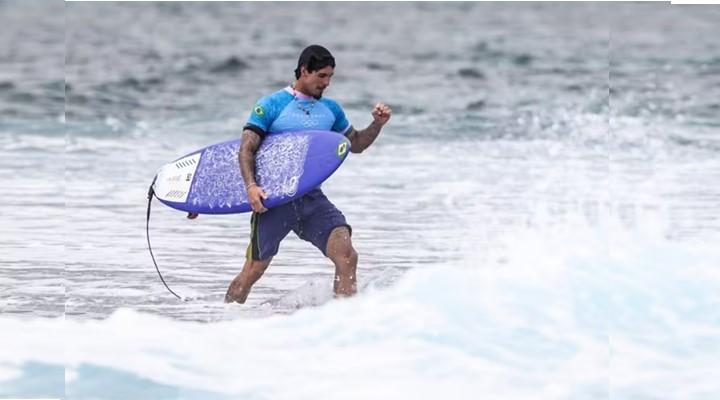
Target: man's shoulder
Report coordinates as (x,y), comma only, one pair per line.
(278,97)
(333,105)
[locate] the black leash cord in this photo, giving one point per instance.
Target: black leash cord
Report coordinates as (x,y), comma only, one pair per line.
(151,193)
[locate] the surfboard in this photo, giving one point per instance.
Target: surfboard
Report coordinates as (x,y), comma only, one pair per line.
(287,165)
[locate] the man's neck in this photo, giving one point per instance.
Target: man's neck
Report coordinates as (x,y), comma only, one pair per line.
(301,91)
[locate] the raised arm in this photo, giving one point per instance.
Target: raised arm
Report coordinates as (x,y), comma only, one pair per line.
(362,139)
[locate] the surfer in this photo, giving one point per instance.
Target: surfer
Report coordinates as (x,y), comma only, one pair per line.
(312,217)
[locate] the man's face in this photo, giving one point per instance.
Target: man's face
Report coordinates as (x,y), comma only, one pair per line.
(317,81)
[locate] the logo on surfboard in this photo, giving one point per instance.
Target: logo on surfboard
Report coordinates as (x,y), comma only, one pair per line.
(342,149)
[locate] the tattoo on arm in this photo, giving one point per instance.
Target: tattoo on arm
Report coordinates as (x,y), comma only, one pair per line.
(361,140)
(246,156)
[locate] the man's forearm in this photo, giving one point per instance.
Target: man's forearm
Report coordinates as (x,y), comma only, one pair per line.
(247,167)
(246,156)
(365,137)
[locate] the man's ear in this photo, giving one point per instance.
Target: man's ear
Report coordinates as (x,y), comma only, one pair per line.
(303,70)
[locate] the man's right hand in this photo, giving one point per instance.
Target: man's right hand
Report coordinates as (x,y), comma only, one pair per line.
(255,196)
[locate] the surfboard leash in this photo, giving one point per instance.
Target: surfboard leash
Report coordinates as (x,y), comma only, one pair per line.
(151,193)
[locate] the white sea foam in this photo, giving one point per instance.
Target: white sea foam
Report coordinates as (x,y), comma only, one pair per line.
(563,312)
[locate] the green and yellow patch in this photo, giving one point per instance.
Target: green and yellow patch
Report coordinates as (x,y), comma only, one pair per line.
(342,149)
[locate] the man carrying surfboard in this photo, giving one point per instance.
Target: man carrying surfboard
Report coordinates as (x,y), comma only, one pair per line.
(312,217)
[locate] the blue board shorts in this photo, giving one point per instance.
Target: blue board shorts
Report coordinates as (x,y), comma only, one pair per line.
(312,217)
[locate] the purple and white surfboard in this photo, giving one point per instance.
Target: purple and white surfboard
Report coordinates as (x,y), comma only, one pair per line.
(288,165)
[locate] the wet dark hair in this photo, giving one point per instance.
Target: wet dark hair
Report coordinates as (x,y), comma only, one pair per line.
(314,57)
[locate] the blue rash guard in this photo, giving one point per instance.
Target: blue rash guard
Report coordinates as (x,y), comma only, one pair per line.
(287,110)
(312,217)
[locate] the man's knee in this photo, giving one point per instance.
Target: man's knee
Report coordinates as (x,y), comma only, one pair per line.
(338,238)
(261,265)
(258,267)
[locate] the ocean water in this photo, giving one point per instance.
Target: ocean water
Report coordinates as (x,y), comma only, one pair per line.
(539,219)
